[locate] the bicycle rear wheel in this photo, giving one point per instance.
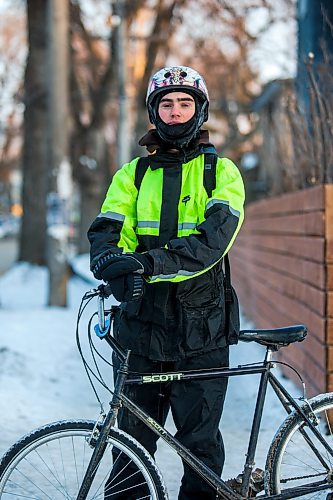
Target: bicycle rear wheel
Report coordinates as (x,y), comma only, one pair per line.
(50,462)
(297,458)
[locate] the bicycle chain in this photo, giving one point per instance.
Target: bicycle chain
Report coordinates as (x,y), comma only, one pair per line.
(300,477)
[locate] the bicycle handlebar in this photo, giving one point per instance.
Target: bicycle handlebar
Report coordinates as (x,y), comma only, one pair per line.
(102,290)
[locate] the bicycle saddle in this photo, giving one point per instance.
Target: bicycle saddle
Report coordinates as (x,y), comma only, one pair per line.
(276,336)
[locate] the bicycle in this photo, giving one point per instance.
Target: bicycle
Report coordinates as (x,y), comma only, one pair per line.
(81,459)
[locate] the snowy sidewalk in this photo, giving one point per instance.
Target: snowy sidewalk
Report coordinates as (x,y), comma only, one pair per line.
(42,378)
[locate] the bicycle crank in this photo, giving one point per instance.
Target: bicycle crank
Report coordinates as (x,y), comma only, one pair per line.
(256,483)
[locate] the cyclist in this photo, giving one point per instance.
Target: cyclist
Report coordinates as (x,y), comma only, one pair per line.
(163,225)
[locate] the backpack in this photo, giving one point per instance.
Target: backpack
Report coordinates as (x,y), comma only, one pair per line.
(232,322)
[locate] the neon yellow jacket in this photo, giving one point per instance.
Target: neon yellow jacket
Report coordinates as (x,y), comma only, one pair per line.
(185,231)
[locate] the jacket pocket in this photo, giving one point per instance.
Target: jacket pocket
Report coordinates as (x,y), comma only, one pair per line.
(203,326)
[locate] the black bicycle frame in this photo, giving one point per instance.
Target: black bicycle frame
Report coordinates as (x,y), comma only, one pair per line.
(196,464)
(264,369)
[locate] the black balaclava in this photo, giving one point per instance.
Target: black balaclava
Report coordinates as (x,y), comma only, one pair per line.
(179,135)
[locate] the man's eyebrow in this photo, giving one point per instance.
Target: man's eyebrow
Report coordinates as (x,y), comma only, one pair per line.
(179,99)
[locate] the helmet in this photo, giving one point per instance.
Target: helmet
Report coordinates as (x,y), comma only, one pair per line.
(178,79)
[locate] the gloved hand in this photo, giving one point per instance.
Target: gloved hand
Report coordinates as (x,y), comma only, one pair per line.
(127,287)
(111,265)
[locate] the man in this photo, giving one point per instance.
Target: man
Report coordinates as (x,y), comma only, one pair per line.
(167,219)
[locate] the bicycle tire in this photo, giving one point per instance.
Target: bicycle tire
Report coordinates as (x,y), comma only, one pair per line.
(291,461)
(50,462)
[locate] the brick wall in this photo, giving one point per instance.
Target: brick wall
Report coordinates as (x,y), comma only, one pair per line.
(282,269)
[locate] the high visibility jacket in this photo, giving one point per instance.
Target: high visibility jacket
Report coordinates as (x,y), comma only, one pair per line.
(186,232)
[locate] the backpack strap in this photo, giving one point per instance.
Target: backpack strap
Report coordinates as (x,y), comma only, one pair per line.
(227,292)
(140,170)
(209,179)
(227,278)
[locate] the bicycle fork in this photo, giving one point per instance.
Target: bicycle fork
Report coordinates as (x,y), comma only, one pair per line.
(109,422)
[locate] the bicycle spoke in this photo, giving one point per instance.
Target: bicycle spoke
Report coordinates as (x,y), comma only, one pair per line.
(17,495)
(62,463)
(125,489)
(300,459)
(50,471)
(50,464)
(33,483)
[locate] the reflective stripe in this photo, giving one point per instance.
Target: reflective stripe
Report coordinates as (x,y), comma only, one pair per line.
(224,202)
(156,225)
(171,276)
(187,225)
(148,223)
(112,215)
(181,275)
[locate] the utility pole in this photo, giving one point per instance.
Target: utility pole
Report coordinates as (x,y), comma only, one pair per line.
(58,23)
(315,42)
(123,142)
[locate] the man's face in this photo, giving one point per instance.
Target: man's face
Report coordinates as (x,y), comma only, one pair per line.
(176,107)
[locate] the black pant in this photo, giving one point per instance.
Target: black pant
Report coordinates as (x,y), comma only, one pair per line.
(196,408)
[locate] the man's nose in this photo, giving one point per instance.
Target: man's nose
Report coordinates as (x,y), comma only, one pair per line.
(175,110)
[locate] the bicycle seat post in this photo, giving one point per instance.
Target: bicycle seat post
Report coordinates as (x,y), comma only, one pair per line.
(269,354)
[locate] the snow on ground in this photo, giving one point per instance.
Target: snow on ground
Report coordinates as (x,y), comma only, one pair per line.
(42,378)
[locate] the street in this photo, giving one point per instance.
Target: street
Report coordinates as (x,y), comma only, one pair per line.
(8,253)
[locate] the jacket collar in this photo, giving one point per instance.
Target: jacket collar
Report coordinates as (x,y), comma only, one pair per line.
(161,155)
(153,142)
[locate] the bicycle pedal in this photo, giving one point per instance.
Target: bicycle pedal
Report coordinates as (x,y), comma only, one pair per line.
(256,483)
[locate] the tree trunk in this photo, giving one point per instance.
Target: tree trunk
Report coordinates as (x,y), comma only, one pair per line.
(34,185)
(91,162)
(160,37)
(90,151)
(123,142)
(57,245)
(57,253)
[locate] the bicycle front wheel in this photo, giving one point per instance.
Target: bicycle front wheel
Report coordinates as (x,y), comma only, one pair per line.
(50,463)
(297,458)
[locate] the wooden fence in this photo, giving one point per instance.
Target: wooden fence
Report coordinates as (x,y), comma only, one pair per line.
(282,269)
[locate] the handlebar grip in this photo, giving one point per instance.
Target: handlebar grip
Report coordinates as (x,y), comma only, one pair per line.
(105,291)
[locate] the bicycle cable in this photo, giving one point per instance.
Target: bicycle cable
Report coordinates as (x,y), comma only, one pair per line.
(299,376)
(93,348)
(95,352)
(86,299)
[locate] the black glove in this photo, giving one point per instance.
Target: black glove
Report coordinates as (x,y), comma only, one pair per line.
(127,287)
(110,265)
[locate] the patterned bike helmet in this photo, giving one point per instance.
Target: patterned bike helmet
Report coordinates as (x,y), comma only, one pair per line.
(177,78)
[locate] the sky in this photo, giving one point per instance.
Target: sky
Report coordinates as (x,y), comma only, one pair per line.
(274,55)
(42,378)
